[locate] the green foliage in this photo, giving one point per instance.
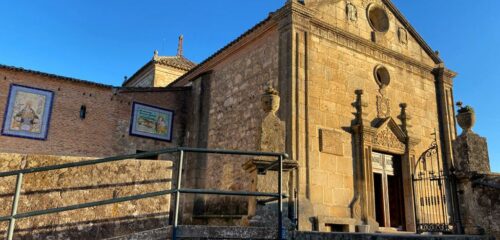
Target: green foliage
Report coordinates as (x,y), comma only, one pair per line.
(464,109)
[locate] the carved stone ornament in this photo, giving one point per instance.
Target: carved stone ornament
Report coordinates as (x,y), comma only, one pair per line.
(402,36)
(366,3)
(352,12)
(272,134)
(357,210)
(383,107)
(386,138)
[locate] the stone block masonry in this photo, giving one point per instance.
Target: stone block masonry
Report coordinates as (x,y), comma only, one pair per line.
(478,188)
(77,185)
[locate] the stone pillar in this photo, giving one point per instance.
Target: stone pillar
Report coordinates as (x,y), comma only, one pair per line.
(447,131)
(271,139)
(471,162)
(196,136)
(362,208)
(470,150)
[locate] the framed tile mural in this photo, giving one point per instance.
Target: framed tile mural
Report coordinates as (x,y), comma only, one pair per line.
(27,113)
(151,122)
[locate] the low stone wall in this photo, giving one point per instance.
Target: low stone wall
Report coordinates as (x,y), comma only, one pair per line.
(71,186)
(222,233)
(479,197)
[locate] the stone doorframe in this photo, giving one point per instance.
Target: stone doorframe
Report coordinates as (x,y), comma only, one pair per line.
(379,135)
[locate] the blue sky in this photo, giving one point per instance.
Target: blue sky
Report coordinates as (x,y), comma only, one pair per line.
(104,41)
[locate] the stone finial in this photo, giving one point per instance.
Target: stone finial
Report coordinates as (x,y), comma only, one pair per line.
(155,54)
(405,117)
(270,100)
(359,104)
(179,45)
(466,117)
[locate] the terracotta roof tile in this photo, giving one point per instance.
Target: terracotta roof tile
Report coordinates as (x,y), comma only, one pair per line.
(19,69)
(175,61)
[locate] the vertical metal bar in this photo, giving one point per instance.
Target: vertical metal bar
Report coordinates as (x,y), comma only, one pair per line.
(15,203)
(415,201)
(280,199)
(177,195)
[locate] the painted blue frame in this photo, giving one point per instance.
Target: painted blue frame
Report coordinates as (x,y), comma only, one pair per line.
(134,132)
(14,88)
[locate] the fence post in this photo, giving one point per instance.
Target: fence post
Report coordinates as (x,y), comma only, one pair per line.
(177,195)
(280,199)
(12,223)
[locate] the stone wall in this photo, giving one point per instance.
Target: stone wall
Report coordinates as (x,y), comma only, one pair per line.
(105,129)
(85,184)
(333,58)
(164,75)
(234,116)
(335,13)
(478,189)
(479,197)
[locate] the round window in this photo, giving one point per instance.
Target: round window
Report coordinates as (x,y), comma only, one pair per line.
(378,18)
(382,76)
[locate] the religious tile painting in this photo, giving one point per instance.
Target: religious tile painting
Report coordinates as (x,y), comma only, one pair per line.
(151,122)
(28,112)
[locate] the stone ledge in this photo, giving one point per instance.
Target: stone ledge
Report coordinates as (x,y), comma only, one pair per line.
(217,232)
(261,164)
(204,232)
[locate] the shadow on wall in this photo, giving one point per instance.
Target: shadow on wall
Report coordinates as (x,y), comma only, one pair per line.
(65,187)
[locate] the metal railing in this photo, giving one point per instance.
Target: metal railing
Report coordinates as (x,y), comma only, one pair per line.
(177,191)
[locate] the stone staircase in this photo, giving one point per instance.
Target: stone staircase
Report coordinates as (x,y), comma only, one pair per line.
(216,232)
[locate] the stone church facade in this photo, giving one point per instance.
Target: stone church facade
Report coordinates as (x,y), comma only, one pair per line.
(362,96)
(356,82)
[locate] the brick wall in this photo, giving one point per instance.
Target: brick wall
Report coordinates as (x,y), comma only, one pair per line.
(104,131)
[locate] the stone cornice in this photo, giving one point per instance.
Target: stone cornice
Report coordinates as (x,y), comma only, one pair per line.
(450,74)
(444,74)
(369,48)
(412,31)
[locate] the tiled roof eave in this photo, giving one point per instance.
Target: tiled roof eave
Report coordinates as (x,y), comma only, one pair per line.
(50,75)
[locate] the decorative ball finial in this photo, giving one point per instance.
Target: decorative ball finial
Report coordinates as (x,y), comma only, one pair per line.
(155,54)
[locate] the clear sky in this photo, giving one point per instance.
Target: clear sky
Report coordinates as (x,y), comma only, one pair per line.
(104,41)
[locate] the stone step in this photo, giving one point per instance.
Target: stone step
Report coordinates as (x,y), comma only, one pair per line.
(221,232)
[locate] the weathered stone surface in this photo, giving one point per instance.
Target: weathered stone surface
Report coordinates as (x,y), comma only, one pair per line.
(478,189)
(471,153)
(205,232)
(208,232)
(361,236)
(77,185)
(479,198)
(271,139)
(331,142)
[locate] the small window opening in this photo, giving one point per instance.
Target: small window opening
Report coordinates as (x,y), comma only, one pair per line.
(83,112)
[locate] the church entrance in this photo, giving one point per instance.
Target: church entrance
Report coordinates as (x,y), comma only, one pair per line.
(388,191)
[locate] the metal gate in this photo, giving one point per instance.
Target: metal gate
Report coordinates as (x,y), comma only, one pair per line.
(429,193)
